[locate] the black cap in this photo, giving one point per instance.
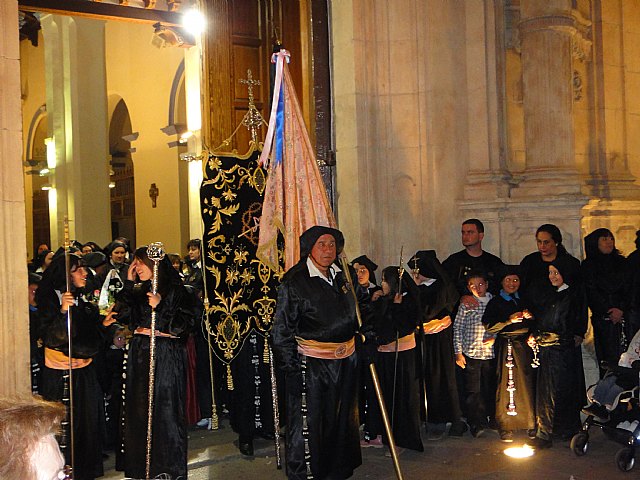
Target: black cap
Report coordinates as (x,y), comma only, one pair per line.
(309,238)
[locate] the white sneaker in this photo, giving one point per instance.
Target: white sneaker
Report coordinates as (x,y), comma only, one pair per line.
(204,423)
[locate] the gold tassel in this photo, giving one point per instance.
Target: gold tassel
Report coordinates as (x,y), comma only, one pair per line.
(265,353)
(229,378)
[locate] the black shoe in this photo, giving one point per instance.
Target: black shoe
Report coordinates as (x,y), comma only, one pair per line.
(540,443)
(476,431)
(506,436)
(493,424)
(531,433)
(246,447)
(457,429)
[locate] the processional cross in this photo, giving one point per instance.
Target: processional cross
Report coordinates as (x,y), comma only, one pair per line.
(253,119)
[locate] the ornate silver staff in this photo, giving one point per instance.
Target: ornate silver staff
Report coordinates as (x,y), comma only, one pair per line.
(155,252)
(276,412)
(67,271)
(511,384)
(536,361)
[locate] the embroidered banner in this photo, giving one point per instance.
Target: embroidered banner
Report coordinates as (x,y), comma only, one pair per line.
(241,289)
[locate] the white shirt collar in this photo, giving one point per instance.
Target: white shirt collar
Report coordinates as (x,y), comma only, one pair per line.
(314,272)
(428,282)
(562,287)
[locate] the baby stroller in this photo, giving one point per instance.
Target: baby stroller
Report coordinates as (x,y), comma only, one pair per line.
(619,420)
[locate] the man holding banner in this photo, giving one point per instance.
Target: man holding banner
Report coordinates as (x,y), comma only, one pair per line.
(313,339)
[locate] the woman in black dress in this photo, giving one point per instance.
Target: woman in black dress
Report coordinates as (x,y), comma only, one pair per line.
(175,315)
(54,303)
(605,275)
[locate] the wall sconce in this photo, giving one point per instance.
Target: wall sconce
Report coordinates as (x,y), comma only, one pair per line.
(51,152)
(112,184)
(46,186)
(166,36)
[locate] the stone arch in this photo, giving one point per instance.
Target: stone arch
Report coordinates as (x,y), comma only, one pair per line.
(121,169)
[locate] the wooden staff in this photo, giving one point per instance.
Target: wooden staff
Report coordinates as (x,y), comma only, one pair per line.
(155,252)
(67,270)
(374,376)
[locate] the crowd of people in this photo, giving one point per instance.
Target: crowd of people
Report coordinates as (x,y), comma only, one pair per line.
(107,297)
(467,344)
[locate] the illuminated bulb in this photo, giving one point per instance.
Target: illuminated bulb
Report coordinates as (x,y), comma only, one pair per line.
(193,21)
(112,184)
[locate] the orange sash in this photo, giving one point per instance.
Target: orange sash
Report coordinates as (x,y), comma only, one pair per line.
(59,361)
(404,343)
(326,350)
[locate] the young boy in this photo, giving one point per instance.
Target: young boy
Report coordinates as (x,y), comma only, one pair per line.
(474,354)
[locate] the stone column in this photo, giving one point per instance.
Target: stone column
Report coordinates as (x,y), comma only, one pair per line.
(77,108)
(547,31)
(14,317)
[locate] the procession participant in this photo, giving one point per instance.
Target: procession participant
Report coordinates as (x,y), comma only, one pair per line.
(508,317)
(313,339)
(370,416)
(438,297)
(175,311)
(397,311)
(606,282)
(559,331)
(54,303)
(472,258)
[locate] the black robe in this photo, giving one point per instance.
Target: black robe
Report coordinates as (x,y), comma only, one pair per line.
(437,301)
(394,321)
(560,388)
(88,413)
(606,283)
(311,308)
(175,315)
(496,321)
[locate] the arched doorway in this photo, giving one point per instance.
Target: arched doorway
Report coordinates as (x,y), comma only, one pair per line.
(123,205)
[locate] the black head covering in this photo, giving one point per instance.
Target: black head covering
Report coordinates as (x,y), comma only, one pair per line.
(113,245)
(392,274)
(34,278)
(167,275)
(55,277)
(309,238)
(95,259)
(427,264)
(368,264)
(637,240)
(591,242)
(567,268)
(39,260)
(507,270)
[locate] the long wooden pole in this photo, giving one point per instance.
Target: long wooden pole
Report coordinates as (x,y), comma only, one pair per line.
(376,381)
(67,269)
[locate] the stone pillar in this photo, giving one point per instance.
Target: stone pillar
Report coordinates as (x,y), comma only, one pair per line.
(547,32)
(14,316)
(77,108)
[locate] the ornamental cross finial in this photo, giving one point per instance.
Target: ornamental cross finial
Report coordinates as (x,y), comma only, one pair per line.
(252,120)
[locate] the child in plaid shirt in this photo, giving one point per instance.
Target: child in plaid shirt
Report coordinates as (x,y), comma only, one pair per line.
(473,348)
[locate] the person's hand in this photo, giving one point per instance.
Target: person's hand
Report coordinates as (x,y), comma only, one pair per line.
(460,360)
(131,273)
(66,302)
(489,341)
(397,298)
(615,315)
(531,341)
(578,340)
(516,317)
(527,314)
(109,317)
(376,295)
(154,300)
(436,326)
(469,301)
